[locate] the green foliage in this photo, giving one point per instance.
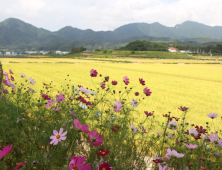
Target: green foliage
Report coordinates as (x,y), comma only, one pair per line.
(142,45)
(77,50)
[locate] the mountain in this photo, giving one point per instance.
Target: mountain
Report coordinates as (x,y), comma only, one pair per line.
(18,35)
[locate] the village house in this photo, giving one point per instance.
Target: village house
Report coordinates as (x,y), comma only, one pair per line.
(171,49)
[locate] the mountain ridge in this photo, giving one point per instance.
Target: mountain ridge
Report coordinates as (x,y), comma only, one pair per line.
(15,33)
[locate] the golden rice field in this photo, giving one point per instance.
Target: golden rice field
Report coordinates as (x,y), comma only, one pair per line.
(197,86)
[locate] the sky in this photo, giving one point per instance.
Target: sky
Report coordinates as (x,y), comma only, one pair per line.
(104,15)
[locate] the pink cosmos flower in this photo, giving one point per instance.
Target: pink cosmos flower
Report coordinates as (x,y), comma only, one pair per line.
(60,98)
(114,82)
(117,106)
(162,167)
(12,78)
(134,103)
(148,114)
(77,164)
(102,85)
(193,132)
(56,109)
(212,115)
(137,166)
(10,84)
(171,135)
(33,91)
(10,71)
(84,90)
(172,125)
(97,163)
(6,75)
(142,81)
(191,146)
(95,139)
(126,80)
(212,137)
(93,73)
(22,75)
(80,126)
(5,151)
(32,81)
(50,103)
(19,164)
(72,113)
(174,153)
(147,92)
(134,130)
(58,137)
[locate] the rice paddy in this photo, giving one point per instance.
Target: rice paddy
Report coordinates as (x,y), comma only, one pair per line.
(196,85)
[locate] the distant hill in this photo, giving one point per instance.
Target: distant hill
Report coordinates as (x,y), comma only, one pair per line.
(18,35)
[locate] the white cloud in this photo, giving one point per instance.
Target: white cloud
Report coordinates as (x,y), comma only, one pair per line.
(110,14)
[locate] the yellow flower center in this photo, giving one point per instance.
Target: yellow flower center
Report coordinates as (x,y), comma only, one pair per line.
(75,168)
(103,168)
(103,153)
(58,136)
(50,104)
(164,157)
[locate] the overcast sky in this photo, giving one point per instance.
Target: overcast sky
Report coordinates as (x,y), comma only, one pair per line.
(110,14)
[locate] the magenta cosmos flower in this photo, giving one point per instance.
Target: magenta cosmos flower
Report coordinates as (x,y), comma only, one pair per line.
(93,73)
(126,80)
(80,126)
(77,164)
(114,82)
(191,146)
(105,166)
(148,113)
(183,108)
(102,85)
(60,98)
(58,137)
(147,92)
(95,139)
(19,164)
(212,115)
(12,78)
(107,78)
(5,151)
(142,81)
(10,71)
(117,106)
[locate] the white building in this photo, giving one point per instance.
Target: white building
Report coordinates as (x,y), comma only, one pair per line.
(172,50)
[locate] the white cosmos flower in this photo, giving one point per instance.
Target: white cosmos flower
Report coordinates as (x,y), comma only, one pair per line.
(98,114)
(83,106)
(75,87)
(113,117)
(92,92)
